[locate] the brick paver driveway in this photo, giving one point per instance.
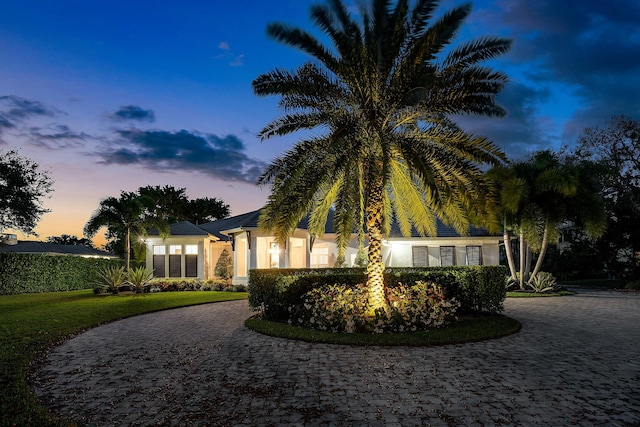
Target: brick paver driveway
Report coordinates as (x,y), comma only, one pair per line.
(575,362)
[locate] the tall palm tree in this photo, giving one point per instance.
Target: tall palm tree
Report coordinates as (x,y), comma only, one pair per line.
(121,216)
(379,101)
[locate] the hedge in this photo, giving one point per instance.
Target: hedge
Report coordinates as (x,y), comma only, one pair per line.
(480,289)
(30,273)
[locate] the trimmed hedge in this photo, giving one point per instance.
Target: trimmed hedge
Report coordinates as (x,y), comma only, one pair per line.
(30,273)
(477,288)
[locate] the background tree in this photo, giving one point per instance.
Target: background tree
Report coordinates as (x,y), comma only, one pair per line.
(170,205)
(379,101)
(616,147)
(165,204)
(66,239)
(128,218)
(23,185)
(206,209)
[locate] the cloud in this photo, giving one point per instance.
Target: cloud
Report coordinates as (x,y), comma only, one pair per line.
(219,157)
(15,110)
(133,112)
(523,130)
(589,46)
(56,137)
(234,60)
(238,61)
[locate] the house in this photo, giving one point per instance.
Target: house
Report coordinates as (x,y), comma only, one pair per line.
(46,248)
(193,250)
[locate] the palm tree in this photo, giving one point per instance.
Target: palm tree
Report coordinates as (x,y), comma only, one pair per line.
(379,103)
(539,194)
(121,216)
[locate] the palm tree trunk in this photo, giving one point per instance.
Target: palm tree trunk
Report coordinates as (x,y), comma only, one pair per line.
(507,248)
(127,248)
(522,258)
(375,268)
(527,267)
(543,252)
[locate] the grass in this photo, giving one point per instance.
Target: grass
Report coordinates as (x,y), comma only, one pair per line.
(478,328)
(520,294)
(30,323)
(596,283)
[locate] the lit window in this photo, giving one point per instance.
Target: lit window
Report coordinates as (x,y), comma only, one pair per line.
(474,255)
(319,257)
(191,249)
(447,256)
(175,250)
(274,255)
(159,250)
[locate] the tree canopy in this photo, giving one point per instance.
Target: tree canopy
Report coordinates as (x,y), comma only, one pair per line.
(128,217)
(379,101)
(66,239)
(537,196)
(23,185)
(616,147)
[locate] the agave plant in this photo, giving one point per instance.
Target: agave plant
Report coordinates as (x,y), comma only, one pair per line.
(138,277)
(543,282)
(110,279)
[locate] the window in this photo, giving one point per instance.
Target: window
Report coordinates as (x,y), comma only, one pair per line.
(175,250)
(191,266)
(191,249)
(447,255)
(175,266)
(420,255)
(158,261)
(474,255)
(274,255)
(320,257)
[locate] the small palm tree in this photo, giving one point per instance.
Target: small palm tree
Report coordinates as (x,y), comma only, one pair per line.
(121,216)
(380,102)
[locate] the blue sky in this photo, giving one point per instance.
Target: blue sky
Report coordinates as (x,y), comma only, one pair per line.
(112,96)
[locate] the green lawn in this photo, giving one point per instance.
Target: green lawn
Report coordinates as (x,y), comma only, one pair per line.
(520,294)
(29,323)
(471,329)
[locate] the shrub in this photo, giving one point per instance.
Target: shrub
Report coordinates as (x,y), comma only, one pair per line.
(173,285)
(335,308)
(476,288)
(543,282)
(224,266)
(138,278)
(26,273)
(633,285)
(109,279)
(340,308)
(215,285)
(419,307)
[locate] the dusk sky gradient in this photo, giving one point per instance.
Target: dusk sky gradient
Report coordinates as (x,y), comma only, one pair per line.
(112,96)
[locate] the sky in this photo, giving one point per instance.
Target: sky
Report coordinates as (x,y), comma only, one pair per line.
(112,96)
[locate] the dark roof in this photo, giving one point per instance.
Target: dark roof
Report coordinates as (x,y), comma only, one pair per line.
(250,220)
(247,220)
(33,247)
(183,228)
(442,231)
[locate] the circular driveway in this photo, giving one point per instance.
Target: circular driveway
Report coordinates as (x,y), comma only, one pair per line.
(576,361)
